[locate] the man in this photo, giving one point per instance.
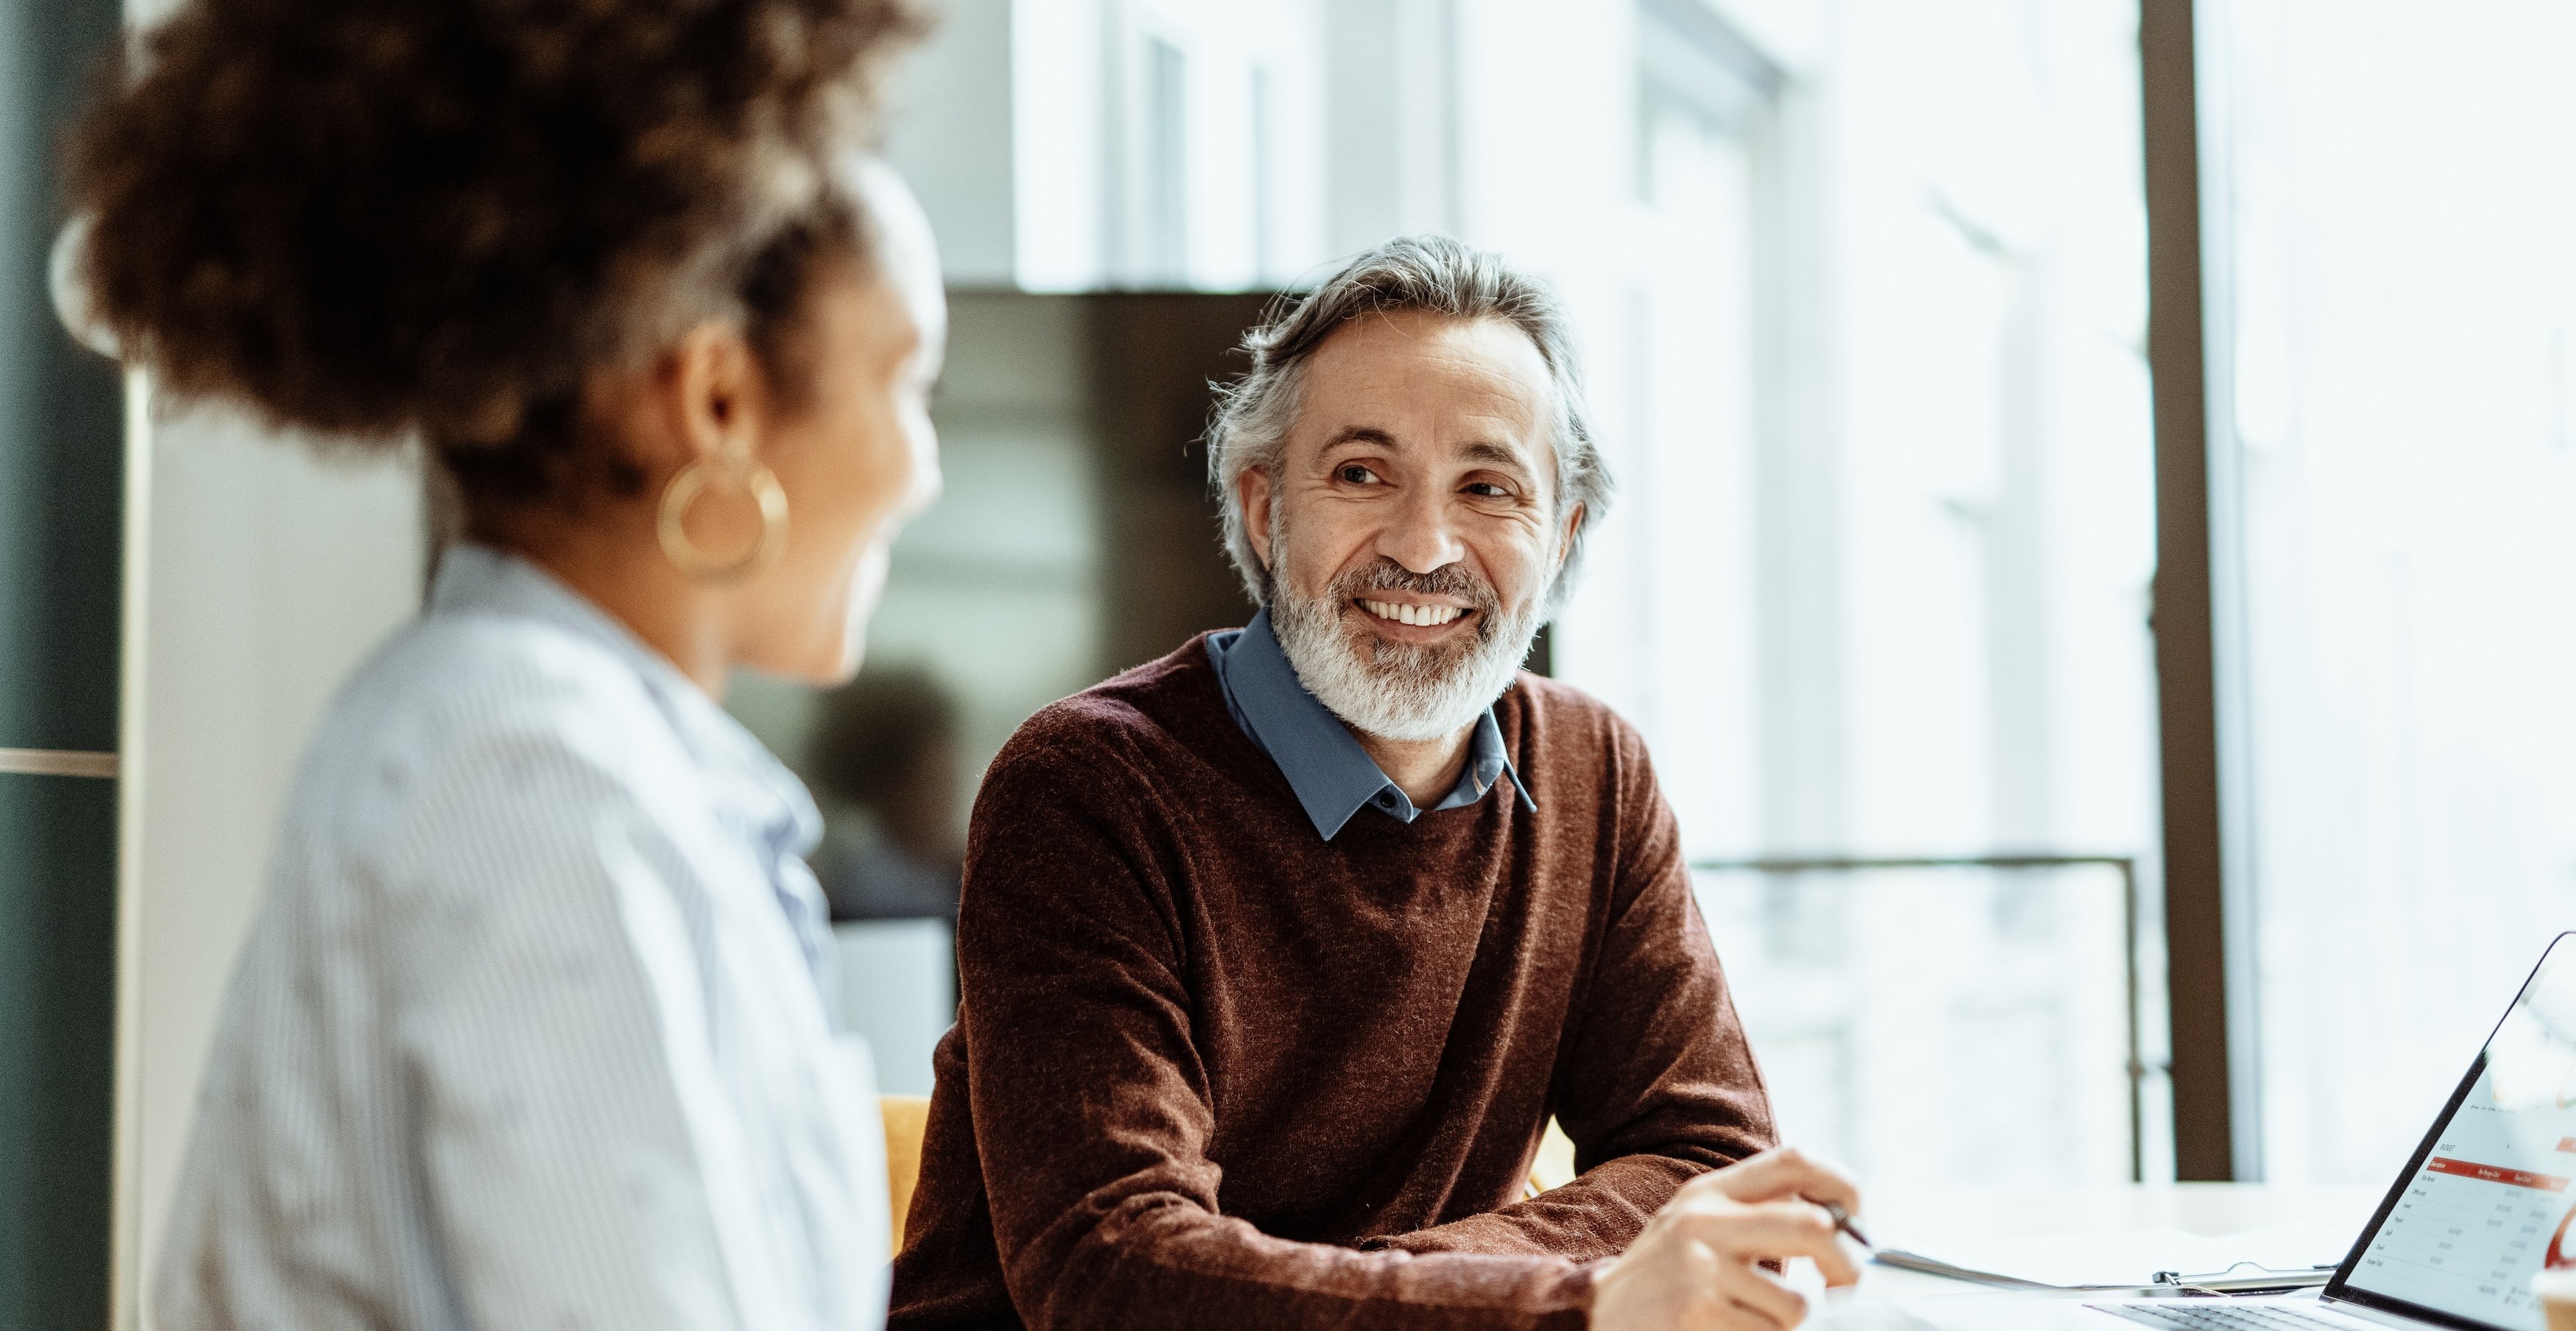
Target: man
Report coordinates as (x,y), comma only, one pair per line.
(1278,953)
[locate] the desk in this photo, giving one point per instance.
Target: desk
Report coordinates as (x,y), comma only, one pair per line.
(1900,1216)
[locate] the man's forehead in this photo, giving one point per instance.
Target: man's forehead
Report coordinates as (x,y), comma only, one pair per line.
(1412,343)
(1478,386)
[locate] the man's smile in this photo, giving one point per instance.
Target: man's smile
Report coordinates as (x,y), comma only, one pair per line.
(1412,621)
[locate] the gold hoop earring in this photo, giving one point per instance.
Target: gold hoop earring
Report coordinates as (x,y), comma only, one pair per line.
(693,480)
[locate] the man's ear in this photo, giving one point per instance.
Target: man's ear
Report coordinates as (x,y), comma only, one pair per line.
(1252,492)
(1565,543)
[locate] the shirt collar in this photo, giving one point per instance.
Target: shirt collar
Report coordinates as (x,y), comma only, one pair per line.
(1333,776)
(746,779)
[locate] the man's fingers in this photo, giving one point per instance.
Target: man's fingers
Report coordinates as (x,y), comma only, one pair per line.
(1716,1312)
(1757,1291)
(1749,1318)
(1770,1229)
(1783,1171)
(1836,1264)
(1775,1229)
(1729,1315)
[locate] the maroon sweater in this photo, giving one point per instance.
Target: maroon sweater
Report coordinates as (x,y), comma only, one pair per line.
(1212,1070)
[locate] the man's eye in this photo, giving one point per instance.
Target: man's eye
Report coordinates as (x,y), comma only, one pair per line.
(1355,474)
(1487,490)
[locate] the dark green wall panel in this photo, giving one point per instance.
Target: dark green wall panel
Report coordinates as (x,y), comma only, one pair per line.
(57,1047)
(61,413)
(61,553)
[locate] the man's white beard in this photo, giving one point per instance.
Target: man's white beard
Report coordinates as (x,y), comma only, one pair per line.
(1398,690)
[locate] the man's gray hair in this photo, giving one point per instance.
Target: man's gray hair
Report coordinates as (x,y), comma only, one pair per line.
(1430,273)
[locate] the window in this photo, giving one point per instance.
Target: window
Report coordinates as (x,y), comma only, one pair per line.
(2392,285)
(1265,167)
(1875,589)
(1167,183)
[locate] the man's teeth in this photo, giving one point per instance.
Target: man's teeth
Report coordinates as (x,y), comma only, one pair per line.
(1412,614)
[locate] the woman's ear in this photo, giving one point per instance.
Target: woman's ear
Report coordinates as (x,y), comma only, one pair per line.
(698,397)
(713,395)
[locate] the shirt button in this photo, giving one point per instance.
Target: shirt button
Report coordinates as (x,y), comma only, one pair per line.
(1385,801)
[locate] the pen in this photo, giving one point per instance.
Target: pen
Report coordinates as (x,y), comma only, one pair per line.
(1843,1222)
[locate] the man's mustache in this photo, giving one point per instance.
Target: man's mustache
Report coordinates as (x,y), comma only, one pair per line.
(1456,580)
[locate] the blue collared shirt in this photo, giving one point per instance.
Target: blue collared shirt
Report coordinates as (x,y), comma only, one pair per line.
(1333,776)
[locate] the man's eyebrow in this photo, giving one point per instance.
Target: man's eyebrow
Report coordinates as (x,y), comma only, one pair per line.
(1494,454)
(1483,451)
(1360,434)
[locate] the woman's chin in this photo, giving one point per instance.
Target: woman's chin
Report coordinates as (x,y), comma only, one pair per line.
(867,587)
(853,655)
(825,655)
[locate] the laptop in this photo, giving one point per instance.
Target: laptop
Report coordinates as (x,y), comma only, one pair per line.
(2484,1204)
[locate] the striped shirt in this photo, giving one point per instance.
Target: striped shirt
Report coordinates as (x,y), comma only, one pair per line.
(527,1033)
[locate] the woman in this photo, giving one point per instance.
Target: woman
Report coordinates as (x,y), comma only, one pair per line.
(528,1033)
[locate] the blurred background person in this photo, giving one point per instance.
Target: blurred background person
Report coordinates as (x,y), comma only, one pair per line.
(887,747)
(530,1029)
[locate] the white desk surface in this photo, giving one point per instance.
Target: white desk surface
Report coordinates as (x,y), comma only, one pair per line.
(1899,1216)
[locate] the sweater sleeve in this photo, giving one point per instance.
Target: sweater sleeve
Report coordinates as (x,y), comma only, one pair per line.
(1655,1083)
(1094,1129)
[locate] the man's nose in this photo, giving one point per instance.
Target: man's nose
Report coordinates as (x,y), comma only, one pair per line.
(1419,535)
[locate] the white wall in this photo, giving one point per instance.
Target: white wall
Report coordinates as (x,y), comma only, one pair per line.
(270,575)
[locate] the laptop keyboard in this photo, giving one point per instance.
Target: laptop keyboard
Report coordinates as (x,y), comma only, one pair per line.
(2219,1315)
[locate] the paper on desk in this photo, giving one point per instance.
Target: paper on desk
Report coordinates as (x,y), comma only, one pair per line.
(2074,1261)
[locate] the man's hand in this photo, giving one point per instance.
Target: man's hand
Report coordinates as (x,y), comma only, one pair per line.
(1696,1268)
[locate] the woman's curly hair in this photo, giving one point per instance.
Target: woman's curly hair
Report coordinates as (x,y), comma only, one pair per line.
(383,219)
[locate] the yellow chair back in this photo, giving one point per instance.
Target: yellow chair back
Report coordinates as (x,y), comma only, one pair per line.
(1554,1165)
(905,1117)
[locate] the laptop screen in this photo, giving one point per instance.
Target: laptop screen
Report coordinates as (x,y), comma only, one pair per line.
(2486,1202)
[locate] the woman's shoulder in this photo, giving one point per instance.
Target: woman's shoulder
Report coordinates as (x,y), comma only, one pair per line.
(453,677)
(478,707)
